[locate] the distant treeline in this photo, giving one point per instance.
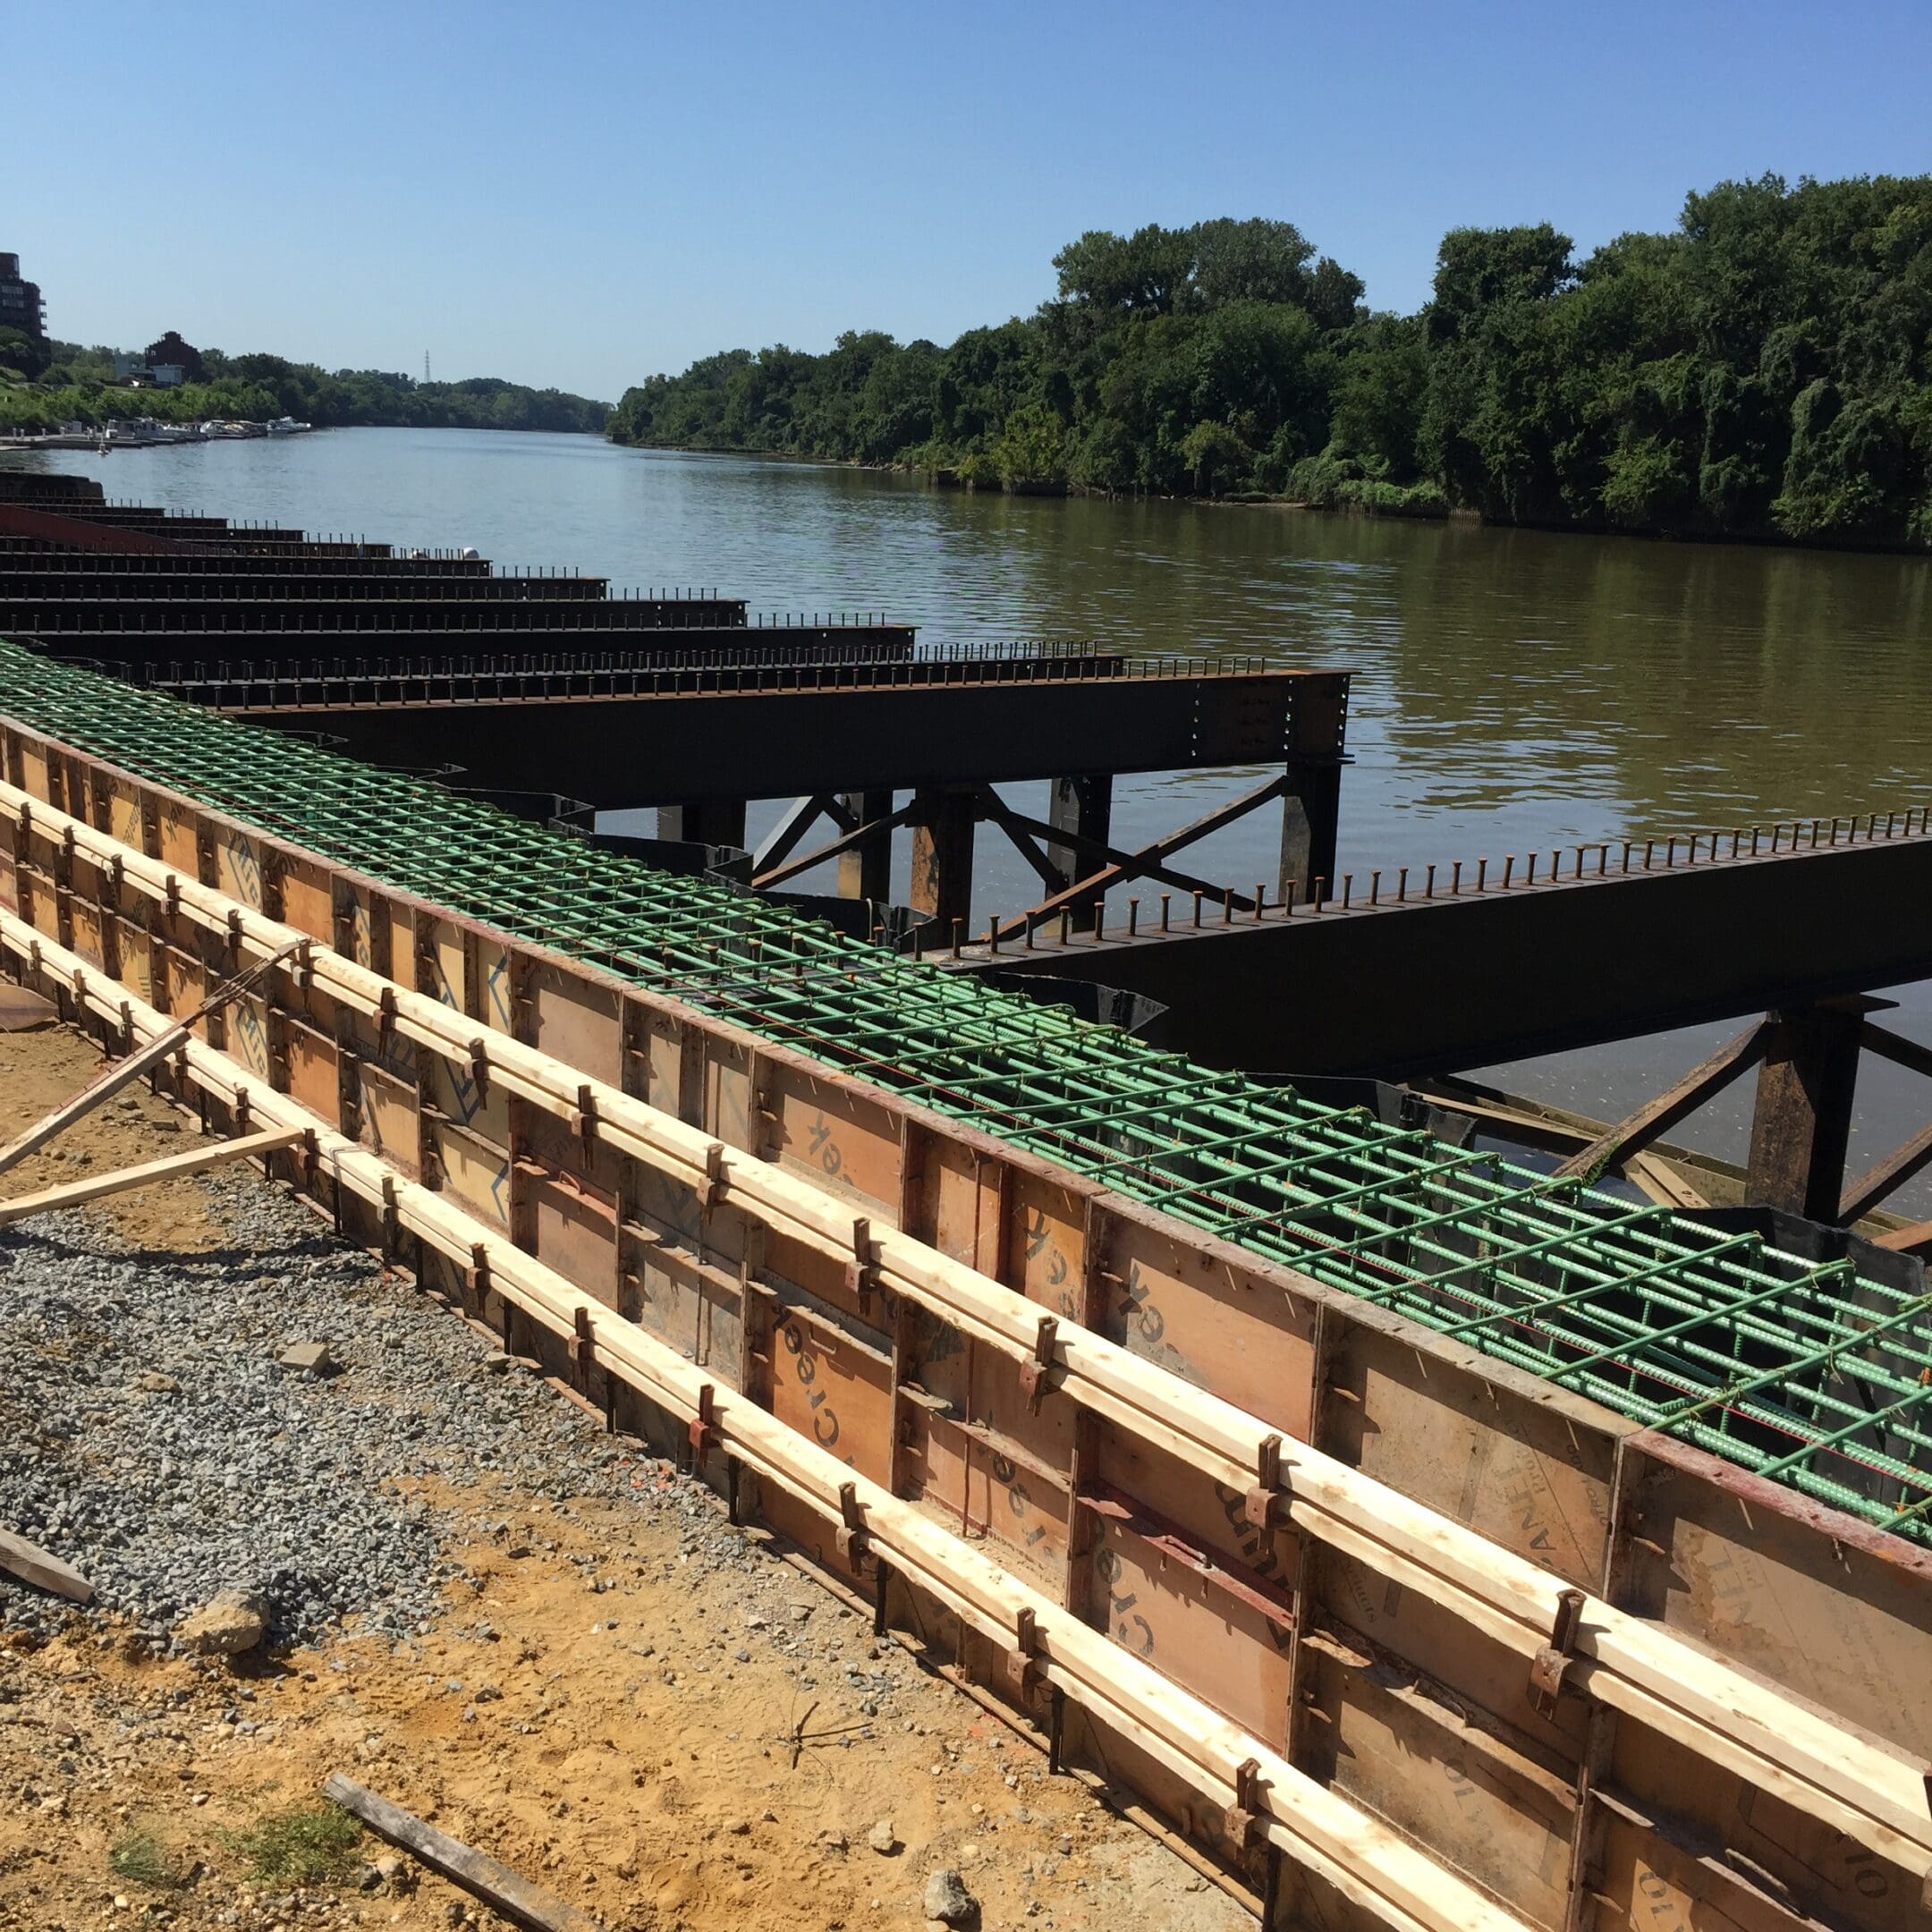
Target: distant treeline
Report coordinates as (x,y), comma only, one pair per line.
(1763,371)
(63,382)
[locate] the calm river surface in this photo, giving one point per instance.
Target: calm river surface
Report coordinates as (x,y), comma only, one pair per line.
(1512,690)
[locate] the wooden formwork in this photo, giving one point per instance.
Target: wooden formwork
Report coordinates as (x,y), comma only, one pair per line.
(1566,1811)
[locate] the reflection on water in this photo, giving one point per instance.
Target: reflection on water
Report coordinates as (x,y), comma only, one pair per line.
(1511,690)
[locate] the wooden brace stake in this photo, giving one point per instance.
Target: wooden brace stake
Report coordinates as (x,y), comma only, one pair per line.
(169,1167)
(506,1893)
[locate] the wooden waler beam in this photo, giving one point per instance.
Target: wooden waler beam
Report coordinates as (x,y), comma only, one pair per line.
(1875,1795)
(1372,1865)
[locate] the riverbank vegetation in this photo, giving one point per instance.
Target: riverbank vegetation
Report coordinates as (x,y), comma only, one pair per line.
(1764,370)
(45,385)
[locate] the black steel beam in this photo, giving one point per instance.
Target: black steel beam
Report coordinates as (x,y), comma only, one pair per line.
(683,747)
(1452,982)
(169,612)
(50,563)
(79,576)
(173,660)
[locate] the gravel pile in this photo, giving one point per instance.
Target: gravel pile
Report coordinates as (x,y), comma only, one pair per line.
(148,1437)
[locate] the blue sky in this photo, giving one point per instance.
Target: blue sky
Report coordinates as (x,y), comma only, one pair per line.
(582,194)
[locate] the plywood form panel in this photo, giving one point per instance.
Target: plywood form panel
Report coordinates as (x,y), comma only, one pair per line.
(84,930)
(1045,1244)
(180,847)
(124,812)
(134,949)
(576,1234)
(1212,1513)
(1213,1325)
(1501,1818)
(1470,1666)
(798,1264)
(474,1172)
(834,1139)
(248,1034)
(239,867)
(981,1491)
(1845,1620)
(32,764)
(1647,1883)
(495,969)
(388,1109)
(452,1091)
(1527,1473)
(662,1046)
(1824,1874)
(312,1075)
(592,1161)
(727,1110)
(441,972)
(355,924)
(43,909)
(826,1387)
(688,1302)
(657,1289)
(959,1204)
(308,898)
(1223,1650)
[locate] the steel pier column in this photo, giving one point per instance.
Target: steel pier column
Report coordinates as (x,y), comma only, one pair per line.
(1803,1119)
(865,871)
(1317,731)
(943,857)
(1084,806)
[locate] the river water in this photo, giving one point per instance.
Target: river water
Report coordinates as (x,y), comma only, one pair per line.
(1512,690)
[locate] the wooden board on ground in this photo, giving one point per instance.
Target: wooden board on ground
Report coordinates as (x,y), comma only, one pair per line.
(32,1564)
(23,1012)
(506,1893)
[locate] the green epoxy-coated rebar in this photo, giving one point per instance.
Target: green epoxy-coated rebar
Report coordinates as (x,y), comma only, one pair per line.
(1808,1373)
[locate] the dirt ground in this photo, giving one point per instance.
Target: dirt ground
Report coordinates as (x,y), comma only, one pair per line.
(662,1744)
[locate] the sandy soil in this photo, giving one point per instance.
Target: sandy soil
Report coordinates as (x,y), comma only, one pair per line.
(592,1707)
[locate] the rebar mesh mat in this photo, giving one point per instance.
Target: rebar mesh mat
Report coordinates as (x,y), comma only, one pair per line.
(1815,1375)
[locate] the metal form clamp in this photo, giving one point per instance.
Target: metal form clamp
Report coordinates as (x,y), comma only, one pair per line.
(1035,1369)
(1549,1666)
